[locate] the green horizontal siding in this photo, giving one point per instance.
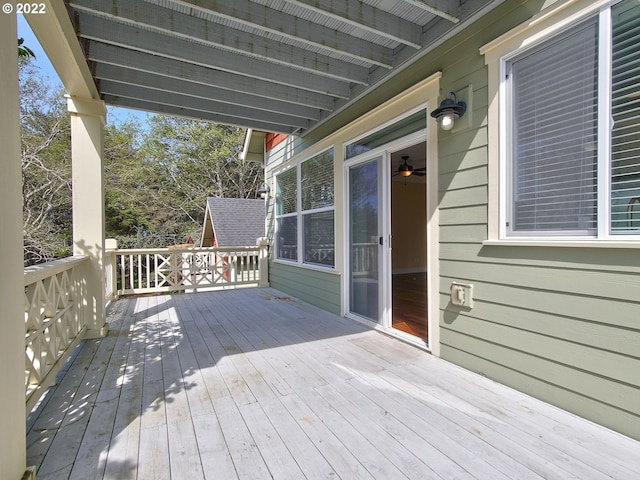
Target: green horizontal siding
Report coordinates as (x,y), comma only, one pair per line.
(316,287)
(591,283)
(512,371)
(562,324)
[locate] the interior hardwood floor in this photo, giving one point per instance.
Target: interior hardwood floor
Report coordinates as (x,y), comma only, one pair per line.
(410,303)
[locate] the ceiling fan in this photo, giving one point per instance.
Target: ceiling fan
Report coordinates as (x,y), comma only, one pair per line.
(407,170)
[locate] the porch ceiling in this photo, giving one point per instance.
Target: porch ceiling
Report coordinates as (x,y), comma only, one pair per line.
(275,65)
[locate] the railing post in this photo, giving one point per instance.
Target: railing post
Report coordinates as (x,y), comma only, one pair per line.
(263,262)
(110,269)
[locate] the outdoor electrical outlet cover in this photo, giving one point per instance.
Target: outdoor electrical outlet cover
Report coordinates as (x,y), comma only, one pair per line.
(462,294)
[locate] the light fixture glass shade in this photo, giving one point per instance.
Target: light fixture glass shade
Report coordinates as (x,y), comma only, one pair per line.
(447,121)
(405,169)
(449,111)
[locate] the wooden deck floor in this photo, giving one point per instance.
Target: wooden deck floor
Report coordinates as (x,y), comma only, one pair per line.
(253,384)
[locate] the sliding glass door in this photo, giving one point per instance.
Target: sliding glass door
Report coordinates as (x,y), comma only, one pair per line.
(365,237)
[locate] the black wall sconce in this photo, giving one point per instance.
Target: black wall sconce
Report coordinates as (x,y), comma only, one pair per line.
(263,191)
(449,111)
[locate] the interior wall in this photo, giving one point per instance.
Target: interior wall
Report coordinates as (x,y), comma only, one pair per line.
(409,227)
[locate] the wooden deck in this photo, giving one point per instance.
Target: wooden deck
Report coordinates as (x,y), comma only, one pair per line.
(253,384)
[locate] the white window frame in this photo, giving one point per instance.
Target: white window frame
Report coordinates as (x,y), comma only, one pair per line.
(299,214)
(539,29)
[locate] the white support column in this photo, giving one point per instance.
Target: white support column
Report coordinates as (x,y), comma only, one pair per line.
(13,451)
(87,132)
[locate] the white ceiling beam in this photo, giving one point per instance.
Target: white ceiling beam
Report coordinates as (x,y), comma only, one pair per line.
(440,8)
(96,28)
(164,20)
(102,53)
(272,21)
(366,17)
(195,114)
(168,84)
(109,87)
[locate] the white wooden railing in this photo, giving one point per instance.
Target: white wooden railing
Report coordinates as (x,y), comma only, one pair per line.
(53,318)
(136,271)
(364,258)
(53,294)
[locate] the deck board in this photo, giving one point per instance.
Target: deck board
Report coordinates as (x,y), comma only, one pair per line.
(254,384)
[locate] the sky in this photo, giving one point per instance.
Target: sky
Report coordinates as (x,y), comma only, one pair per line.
(114,114)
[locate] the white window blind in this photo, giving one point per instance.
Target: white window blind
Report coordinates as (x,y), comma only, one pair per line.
(287,187)
(286,218)
(317,191)
(305,212)
(317,181)
(625,134)
(554,135)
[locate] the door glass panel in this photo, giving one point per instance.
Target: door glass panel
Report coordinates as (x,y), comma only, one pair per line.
(363,239)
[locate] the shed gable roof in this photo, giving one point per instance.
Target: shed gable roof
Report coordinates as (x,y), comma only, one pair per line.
(236,222)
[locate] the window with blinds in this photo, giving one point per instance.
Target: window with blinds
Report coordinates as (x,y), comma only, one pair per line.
(554,132)
(316,188)
(286,218)
(305,198)
(554,135)
(286,193)
(625,112)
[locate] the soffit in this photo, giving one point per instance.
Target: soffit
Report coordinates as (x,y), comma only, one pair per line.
(271,65)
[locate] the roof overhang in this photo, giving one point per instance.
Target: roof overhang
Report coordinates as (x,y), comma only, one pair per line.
(283,66)
(254,146)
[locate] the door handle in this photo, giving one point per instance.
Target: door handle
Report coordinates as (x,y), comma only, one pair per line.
(381,241)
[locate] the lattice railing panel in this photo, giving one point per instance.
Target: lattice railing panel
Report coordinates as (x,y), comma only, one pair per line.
(53,324)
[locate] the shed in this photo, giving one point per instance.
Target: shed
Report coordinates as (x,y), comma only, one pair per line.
(233,222)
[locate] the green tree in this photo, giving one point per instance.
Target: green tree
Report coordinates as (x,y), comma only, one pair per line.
(136,193)
(156,179)
(23,50)
(201,159)
(46,167)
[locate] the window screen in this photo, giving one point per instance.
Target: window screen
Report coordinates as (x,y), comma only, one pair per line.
(287,241)
(287,184)
(317,209)
(554,134)
(317,181)
(314,190)
(625,112)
